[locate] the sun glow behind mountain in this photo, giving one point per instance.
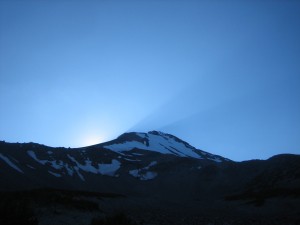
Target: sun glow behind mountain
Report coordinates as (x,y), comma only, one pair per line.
(92,139)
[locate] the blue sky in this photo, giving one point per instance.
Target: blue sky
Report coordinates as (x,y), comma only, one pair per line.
(222,75)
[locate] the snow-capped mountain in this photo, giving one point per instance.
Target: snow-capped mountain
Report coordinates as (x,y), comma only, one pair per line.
(142,156)
(130,163)
(158,142)
(152,172)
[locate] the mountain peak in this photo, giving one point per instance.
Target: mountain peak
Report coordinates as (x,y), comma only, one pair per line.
(158,141)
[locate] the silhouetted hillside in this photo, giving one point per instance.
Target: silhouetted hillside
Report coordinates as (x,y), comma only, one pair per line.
(144,178)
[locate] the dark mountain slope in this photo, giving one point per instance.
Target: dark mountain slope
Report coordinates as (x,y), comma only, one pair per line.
(159,175)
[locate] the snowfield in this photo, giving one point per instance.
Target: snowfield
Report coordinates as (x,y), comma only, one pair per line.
(161,143)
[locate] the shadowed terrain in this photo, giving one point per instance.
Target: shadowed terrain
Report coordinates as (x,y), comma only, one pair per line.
(144,178)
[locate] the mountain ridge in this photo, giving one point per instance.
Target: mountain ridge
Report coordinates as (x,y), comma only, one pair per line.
(157,173)
(139,155)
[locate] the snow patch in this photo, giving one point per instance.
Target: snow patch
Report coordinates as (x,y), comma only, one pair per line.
(143,173)
(149,175)
(215,159)
(134,173)
(54,174)
(109,169)
(70,171)
(33,155)
(150,165)
(138,154)
(132,160)
(104,169)
(31,167)
(87,167)
(78,173)
(56,165)
(157,143)
(10,163)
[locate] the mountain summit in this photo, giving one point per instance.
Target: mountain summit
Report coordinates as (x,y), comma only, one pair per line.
(160,142)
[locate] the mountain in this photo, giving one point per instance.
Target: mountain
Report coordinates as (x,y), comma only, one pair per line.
(153,177)
(158,142)
(139,155)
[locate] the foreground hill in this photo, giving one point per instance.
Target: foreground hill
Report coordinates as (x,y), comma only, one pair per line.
(156,178)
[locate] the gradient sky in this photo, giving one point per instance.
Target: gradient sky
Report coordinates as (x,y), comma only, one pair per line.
(221,75)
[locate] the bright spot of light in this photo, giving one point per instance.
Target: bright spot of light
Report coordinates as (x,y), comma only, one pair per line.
(93,131)
(92,140)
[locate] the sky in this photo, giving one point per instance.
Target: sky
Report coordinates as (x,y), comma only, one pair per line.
(221,75)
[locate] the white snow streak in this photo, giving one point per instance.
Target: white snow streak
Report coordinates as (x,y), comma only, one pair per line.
(132,160)
(78,173)
(54,174)
(31,167)
(138,154)
(33,155)
(10,163)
